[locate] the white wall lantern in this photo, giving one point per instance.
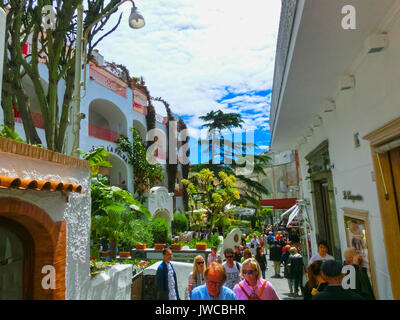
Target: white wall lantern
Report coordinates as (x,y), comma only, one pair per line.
(347,82)
(329,106)
(376,42)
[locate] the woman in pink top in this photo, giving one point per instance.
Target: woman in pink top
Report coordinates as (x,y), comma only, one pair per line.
(253,287)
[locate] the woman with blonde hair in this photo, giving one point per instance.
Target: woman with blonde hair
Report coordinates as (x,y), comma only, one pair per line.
(196,277)
(253,287)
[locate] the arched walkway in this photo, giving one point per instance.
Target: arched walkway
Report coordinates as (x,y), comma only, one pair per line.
(118,173)
(106,120)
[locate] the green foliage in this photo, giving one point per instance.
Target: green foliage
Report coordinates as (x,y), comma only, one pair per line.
(180,223)
(97,159)
(115,215)
(7,132)
(146,175)
(213,241)
(220,120)
(230,229)
(94,252)
(212,193)
(160,230)
(223,222)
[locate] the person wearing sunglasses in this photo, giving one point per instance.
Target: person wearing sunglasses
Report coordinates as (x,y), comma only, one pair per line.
(213,289)
(253,287)
(196,277)
(232,268)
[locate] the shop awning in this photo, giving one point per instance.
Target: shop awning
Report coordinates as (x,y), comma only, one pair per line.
(285,203)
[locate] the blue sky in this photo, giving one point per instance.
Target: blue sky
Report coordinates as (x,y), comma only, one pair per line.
(202,56)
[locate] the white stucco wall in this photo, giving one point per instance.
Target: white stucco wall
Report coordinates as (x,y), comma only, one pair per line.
(111,284)
(371,104)
(76,212)
(182,270)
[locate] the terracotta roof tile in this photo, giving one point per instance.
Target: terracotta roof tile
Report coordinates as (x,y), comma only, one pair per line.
(45,185)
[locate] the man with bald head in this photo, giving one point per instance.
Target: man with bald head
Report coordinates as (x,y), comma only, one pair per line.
(215,276)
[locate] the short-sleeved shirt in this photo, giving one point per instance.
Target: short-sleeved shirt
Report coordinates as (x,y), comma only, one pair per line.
(171,283)
(199,280)
(316,257)
(201,293)
(211,258)
(232,274)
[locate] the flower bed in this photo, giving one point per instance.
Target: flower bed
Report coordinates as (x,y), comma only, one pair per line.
(97,266)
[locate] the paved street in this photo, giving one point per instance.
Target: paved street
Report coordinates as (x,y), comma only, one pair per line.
(280,284)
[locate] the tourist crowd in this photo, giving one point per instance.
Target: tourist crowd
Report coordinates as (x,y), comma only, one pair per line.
(241,275)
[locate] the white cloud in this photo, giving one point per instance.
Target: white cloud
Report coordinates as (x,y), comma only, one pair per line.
(190,51)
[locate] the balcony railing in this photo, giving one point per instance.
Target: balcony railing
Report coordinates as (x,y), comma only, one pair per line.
(108,80)
(102,133)
(139,108)
(37,119)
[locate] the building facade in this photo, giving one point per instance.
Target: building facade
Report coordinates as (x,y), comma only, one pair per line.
(110,107)
(335,100)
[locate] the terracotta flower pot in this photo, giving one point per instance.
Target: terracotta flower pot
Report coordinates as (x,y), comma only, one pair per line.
(141,246)
(124,254)
(159,246)
(201,246)
(105,253)
(176,246)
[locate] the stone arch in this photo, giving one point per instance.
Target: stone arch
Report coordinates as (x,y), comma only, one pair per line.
(49,244)
(106,120)
(163,213)
(118,173)
(141,128)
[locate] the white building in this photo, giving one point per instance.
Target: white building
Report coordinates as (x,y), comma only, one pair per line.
(336,100)
(110,108)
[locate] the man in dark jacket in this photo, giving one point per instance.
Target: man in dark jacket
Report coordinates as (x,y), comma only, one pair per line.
(275,254)
(166,278)
(331,271)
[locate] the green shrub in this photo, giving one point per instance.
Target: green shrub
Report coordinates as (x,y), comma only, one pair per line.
(94,252)
(223,222)
(180,223)
(214,240)
(230,229)
(160,229)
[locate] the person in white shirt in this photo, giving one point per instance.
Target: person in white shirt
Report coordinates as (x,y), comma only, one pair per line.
(322,253)
(232,268)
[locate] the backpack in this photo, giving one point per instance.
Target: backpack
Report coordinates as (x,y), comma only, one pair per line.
(254,297)
(237,265)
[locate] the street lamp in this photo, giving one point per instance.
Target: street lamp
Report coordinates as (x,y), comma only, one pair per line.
(136,21)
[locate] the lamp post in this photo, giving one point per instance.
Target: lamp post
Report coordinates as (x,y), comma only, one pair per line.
(136,21)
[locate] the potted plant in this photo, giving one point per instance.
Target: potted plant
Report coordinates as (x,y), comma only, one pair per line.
(105,253)
(201,245)
(124,252)
(176,246)
(140,246)
(159,246)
